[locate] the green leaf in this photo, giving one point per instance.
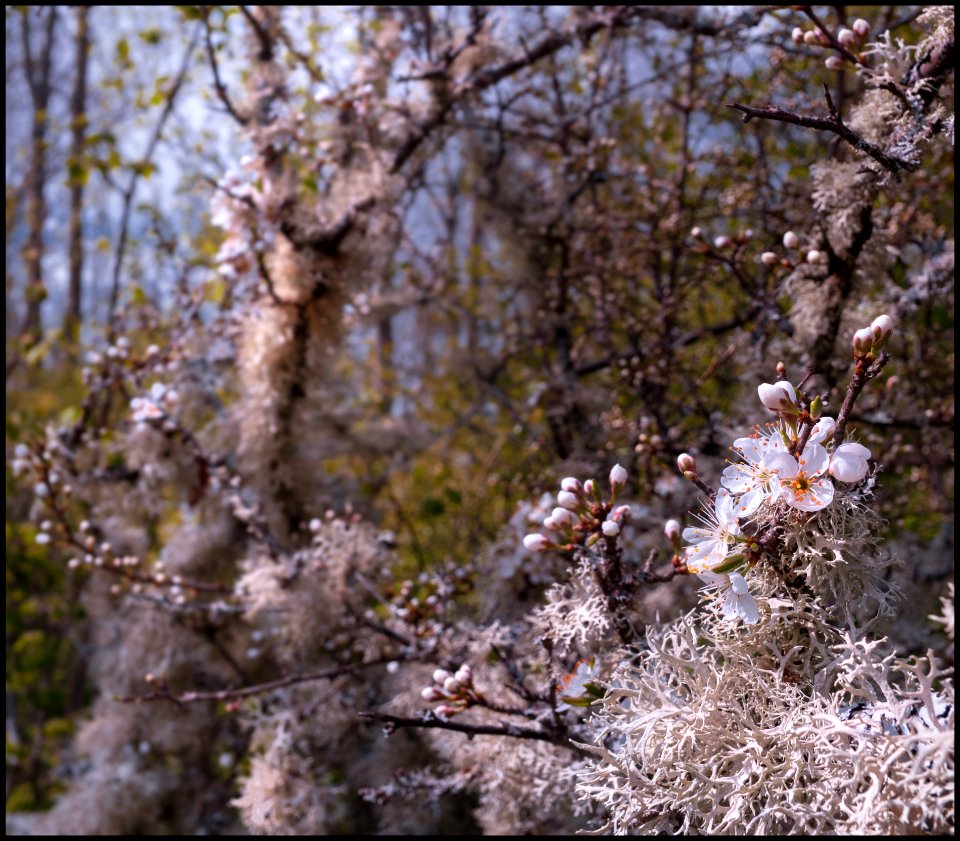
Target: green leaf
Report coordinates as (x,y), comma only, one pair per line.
(731,563)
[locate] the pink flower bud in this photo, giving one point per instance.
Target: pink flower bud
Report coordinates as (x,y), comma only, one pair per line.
(810,37)
(721,242)
(535,543)
(571,485)
(790,240)
(562,517)
(552,525)
(621,514)
(464,675)
(452,686)
(768,258)
(882,327)
(671,529)
(568,500)
(431,694)
(610,528)
(687,463)
(797,35)
(835,63)
(589,487)
(445,710)
(847,37)
(618,478)
(861,27)
(440,675)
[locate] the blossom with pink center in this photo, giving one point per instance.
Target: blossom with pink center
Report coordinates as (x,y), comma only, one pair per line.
(710,545)
(803,484)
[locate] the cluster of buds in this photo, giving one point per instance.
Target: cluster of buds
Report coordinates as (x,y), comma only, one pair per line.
(849,38)
(420,603)
(791,242)
(454,690)
(872,338)
(723,242)
(582,514)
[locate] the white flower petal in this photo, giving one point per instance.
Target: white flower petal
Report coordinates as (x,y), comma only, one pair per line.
(814,460)
(784,463)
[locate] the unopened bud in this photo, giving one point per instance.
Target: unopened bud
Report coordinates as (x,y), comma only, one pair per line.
(618,479)
(610,528)
(861,27)
(571,485)
(621,514)
(568,500)
(671,529)
(790,240)
(781,369)
(445,709)
(847,37)
(721,242)
(882,327)
(768,258)
(452,686)
(562,517)
(590,488)
(779,396)
(816,407)
(813,256)
(696,232)
(536,543)
(810,37)
(687,463)
(862,341)
(440,675)
(464,675)
(797,35)
(835,63)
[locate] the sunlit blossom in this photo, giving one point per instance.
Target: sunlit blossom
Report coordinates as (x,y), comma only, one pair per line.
(803,484)
(710,545)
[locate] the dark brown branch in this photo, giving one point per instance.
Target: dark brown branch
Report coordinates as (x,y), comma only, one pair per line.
(217,81)
(430,720)
(865,369)
(834,123)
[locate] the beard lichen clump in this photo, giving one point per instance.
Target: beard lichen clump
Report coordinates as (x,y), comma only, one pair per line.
(799,723)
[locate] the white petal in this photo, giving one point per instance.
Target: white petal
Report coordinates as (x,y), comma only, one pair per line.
(814,460)
(784,463)
(751,501)
(750,448)
(819,496)
(847,465)
(738,584)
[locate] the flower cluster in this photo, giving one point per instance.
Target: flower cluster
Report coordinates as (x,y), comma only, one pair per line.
(582,515)
(455,690)
(795,461)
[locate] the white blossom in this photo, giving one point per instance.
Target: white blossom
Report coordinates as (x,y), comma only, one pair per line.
(710,545)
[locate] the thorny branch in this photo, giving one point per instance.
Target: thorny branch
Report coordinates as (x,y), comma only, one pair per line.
(833,123)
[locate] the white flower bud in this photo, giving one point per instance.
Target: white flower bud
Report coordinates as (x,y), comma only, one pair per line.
(551,525)
(797,35)
(621,514)
(847,37)
(813,256)
(440,675)
(810,37)
(721,242)
(562,517)
(777,396)
(464,675)
(536,543)
(42,538)
(568,500)
(610,528)
(696,232)
(431,694)
(590,487)
(882,327)
(861,27)
(687,463)
(790,240)
(618,478)
(571,485)
(863,340)
(768,258)
(452,686)
(671,529)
